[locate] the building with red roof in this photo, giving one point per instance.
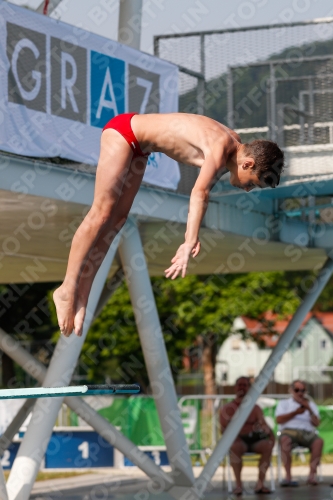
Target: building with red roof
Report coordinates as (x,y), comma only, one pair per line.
(251,341)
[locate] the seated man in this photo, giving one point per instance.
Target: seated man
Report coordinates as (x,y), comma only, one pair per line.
(255,436)
(298,418)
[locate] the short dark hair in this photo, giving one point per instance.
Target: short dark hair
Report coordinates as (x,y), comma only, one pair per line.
(268,160)
(243,377)
(298,381)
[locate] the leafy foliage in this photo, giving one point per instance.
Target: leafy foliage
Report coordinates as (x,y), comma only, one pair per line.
(325,301)
(188,308)
(197,306)
(25,313)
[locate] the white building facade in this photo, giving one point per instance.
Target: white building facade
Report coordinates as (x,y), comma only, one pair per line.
(307,358)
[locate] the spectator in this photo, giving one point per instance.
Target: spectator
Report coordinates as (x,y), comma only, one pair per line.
(298,418)
(255,436)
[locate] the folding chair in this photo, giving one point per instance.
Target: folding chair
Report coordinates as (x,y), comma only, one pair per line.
(297,450)
(254,456)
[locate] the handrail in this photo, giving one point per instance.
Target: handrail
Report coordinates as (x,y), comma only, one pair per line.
(325,20)
(225,396)
(216,398)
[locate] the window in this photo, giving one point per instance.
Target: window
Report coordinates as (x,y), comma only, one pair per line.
(299,343)
(323,344)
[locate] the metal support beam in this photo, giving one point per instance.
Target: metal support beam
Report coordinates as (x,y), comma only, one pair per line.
(59,373)
(263,378)
(7,437)
(153,346)
(14,426)
(109,288)
(149,202)
(129,27)
(37,370)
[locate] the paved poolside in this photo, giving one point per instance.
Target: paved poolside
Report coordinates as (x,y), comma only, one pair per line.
(132,485)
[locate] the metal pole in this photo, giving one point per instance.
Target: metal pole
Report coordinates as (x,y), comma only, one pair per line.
(268,112)
(301,119)
(38,371)
(200,97)
(201,87)
(230,99)
(109,288)
(280,125)
(273,102)
(150,332)
(129,27)
(249,401)
(215,420)
(59,373)
(156,46)
(311,112)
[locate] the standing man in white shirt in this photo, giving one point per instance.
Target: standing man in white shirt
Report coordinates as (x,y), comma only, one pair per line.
(298,418)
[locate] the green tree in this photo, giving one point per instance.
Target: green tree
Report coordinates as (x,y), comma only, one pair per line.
(25,314)
(197,308)
(204,309)
(325,301)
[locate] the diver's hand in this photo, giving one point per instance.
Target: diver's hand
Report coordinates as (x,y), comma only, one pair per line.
(180,260)
(196,249)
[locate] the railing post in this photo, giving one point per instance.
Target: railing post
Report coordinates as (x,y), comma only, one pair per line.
(272,103)
(201,87)
(230,99)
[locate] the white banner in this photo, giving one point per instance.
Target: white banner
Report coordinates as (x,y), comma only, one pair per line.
(59,85)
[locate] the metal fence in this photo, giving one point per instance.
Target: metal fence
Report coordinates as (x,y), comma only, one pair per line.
(270,82)
(201,420)
(296,106)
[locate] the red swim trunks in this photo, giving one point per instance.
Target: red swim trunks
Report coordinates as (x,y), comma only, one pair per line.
(122,124)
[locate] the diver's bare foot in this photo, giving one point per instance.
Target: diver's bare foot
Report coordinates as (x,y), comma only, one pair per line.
(65,310)
(81,305)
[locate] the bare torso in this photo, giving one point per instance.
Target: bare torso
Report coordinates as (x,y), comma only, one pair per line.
(186,138)
(228,411)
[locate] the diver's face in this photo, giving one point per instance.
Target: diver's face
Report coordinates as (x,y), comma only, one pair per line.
(245,178)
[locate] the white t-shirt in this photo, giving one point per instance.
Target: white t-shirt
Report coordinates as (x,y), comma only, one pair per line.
(301,421)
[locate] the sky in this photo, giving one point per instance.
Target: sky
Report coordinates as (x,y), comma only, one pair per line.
(169,16)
